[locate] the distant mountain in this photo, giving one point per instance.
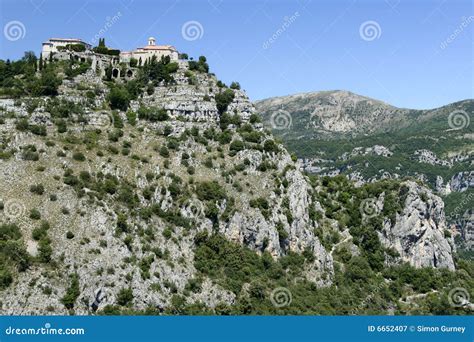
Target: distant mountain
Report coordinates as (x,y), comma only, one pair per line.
(339,132)
(329,114)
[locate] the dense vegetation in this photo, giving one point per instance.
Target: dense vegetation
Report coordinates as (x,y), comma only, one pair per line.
(28,77)
(357,288)
(13,255)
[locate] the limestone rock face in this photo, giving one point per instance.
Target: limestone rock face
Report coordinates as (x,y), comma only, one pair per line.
(251,228)
(124,211)
(195,102)
(419,232)
(83,233)
(462,181)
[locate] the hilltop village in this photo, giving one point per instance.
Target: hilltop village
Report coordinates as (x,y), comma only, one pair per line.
(102,56)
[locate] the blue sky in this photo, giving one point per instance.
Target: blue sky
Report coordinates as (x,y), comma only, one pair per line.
(409,53)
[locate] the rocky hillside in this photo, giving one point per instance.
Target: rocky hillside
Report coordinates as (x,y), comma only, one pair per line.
(338,132)
(164,194)
(330,113)
(335,114)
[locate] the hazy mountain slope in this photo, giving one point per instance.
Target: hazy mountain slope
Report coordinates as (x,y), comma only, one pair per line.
(330,113)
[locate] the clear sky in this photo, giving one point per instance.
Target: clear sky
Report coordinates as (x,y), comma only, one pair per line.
(409,53)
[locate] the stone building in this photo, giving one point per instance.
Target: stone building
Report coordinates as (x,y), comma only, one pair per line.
(53,45)
(150,50)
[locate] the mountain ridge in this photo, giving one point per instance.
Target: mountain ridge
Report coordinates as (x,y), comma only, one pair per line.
(434,145)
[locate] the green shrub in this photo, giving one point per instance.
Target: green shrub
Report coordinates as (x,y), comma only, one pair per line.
(37,189)
(118,98)
(210,191)
(125,297)
(270,146)
(38,130)
(235,85)
(78,156)
(72,292)
(237,145)
(164,152)
(45,250)
(255,118)
(35,214)
(167,233)
(131,117)
(199,65)
(152,114)
(223,99)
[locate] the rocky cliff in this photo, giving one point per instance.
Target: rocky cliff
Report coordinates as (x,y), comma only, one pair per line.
(105,207)
(418,234)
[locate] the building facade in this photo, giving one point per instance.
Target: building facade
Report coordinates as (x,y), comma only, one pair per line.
(150,50)
(52,45)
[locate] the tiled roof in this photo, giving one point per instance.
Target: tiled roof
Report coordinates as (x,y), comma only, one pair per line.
(158,47)
(68,39)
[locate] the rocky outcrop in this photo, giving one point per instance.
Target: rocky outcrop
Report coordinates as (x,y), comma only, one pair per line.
(462,181)
(155,265)
(418,234)
(428,157)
